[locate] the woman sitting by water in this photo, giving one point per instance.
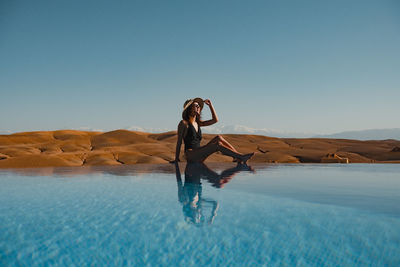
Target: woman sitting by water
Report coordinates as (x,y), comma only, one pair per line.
(189,131)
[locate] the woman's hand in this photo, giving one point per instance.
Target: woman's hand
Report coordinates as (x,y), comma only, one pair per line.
(207,102)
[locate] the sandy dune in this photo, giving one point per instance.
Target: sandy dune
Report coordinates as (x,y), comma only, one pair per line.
(80,148)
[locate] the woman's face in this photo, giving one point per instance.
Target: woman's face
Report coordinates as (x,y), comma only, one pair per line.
(196,108)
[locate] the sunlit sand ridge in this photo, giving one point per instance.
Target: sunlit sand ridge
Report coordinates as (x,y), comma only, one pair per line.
(80,148)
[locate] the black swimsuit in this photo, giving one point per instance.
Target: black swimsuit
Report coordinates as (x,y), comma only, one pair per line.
(192,138)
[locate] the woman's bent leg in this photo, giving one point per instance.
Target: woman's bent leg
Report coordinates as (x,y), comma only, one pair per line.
(200,154)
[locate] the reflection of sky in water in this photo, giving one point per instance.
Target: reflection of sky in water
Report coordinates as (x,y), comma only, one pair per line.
(304,214)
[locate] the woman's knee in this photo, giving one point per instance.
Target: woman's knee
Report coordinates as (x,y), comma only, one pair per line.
(219,138)
(219,144)
(216,139)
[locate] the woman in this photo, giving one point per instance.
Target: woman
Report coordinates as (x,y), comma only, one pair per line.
(189,131)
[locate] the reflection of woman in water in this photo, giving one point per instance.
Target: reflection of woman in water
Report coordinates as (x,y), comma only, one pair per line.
(189,131)
(190,194)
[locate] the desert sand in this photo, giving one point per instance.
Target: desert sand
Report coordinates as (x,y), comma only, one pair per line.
(82,148)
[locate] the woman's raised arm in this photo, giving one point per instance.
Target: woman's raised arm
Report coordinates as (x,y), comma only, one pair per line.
(213,114)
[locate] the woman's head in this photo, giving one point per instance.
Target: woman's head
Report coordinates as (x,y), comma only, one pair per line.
(192,107)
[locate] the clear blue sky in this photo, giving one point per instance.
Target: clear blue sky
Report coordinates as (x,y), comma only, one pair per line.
(315,66)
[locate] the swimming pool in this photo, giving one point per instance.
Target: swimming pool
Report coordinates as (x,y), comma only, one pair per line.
(196,215)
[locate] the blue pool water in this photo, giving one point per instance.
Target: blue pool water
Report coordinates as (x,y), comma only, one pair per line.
(217,215)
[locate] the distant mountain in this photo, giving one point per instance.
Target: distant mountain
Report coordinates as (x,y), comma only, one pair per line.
(240,129)
(148,129)
(372,134)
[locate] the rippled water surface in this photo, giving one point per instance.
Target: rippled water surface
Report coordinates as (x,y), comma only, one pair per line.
(272,215)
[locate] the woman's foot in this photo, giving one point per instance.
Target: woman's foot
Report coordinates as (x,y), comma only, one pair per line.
(245,158)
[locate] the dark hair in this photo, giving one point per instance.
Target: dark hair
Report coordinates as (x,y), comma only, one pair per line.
(186,113)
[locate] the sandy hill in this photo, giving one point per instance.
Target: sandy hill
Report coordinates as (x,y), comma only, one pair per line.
(80,148)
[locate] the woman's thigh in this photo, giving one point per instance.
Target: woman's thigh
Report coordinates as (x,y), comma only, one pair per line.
(201,153)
